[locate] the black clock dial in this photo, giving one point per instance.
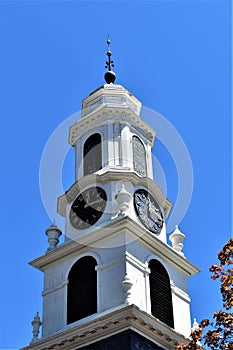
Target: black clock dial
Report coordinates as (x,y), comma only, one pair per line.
(148,211)
(88,208)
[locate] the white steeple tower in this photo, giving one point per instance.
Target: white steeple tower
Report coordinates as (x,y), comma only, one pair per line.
(115,278)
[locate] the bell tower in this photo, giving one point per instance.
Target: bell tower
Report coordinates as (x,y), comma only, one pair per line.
(115,283)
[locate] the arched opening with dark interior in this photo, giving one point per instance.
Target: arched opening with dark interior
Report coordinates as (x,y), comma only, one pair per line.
(82,289)
(92,154)
(160,293)
(139,156)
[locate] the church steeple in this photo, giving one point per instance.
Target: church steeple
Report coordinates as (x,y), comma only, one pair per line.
(115,272)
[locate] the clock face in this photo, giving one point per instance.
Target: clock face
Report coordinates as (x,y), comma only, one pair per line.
(88,208)
(148,211)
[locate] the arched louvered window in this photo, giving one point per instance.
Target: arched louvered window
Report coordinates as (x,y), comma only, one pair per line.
(139,156)
(92,154)
(82,289)
(160,293)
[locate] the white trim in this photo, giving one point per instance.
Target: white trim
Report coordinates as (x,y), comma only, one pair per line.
(82,255)
(124,226)
(104,115)
(136,263)
(99,326)
(164,263)
(180,293)
(55,288)
(109,264)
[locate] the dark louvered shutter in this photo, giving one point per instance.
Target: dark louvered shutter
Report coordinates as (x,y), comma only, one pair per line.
(92,154)
(160,293)
(82,290)
(139,156)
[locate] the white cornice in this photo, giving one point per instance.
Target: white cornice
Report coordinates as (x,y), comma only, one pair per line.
(103,115)
(108,324)
(126,230)
(107,91)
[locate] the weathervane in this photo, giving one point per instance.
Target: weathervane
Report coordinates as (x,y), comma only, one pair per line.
(109,76)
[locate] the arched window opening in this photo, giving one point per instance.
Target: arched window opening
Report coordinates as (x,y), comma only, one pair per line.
(82,289)
(92,154)
(139,156)
(160,293)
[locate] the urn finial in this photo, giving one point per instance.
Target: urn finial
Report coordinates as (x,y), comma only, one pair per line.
(53,233)
(36,323)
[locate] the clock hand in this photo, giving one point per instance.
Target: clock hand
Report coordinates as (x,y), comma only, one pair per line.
(153,211)
(90,204)
(148,206)
(159,217)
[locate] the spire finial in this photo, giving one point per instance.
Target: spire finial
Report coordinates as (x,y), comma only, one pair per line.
(109,76)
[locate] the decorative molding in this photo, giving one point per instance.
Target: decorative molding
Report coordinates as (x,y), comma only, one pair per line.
(109,264)
(103,326)
(61,205)
(55,288)
(124,227)
(104,115)
(180,293)
(108,94)
(120,174)
(136,263)
(127,284)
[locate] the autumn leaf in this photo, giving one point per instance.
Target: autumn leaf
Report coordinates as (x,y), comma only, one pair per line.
(221,334)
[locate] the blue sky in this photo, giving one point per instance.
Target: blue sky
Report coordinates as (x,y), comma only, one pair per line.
(172,55)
